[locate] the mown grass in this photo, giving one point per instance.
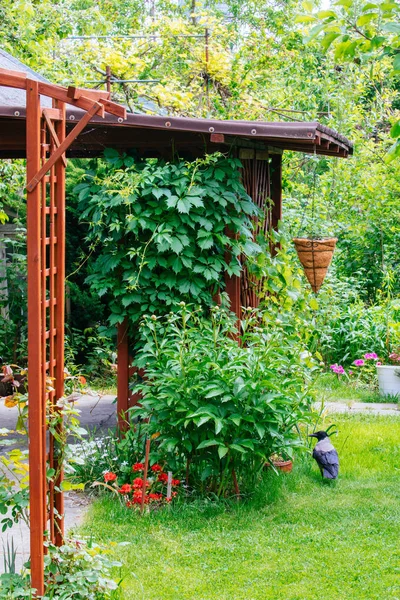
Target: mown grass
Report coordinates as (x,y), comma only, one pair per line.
(332,388)
(297,539)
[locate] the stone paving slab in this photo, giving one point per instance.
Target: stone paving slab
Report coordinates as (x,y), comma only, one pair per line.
(373,408)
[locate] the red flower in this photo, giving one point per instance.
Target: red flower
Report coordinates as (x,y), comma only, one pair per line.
(175,482)
(155,497)
(110,476)
(137,497)
(125,489)
(163,477)
(138,467)
(156,468)
(138,483)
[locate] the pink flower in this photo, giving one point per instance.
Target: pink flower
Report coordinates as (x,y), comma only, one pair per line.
(371,356)
(338,369)
(359,362)
(379,363)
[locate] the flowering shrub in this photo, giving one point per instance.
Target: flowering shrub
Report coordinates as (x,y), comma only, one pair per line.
(153,491)
(221,408)
(363,370)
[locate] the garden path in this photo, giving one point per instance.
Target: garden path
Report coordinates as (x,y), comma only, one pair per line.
(372,408)
(97,412)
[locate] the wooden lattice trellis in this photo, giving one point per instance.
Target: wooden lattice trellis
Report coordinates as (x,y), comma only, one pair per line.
(46,144)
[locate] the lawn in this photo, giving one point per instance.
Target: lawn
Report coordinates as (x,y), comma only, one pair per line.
(298,539)
(331,388)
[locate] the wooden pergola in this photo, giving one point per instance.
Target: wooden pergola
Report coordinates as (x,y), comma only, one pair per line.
(81,123)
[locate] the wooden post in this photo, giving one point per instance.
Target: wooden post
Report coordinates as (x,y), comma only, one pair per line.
(276,193)
(59,316)
(123,375)
(37,459)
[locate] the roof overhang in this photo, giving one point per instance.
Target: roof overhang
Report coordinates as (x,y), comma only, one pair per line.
(151,135)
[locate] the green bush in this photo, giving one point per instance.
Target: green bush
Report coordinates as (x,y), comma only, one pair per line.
(221,405)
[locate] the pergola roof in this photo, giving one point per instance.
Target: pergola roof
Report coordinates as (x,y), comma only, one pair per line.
(152,135)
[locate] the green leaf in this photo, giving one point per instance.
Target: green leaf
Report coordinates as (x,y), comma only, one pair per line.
(260,429)
(396,62)
(207,444)
(395,130)
(237,448)
(391,27)
(367,18)
(222,451)
(184,205)
(176,245)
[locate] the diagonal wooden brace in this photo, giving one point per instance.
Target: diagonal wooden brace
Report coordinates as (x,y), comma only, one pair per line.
(63,147)
(53,134)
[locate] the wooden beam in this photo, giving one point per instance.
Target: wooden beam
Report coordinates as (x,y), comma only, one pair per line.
(75,93)
(55,114)
(54,135)
(59,314)
(63,146)
(14,79)
(37,461)
(60,93)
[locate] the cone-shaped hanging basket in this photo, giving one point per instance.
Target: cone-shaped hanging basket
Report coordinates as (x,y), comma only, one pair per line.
(315,255)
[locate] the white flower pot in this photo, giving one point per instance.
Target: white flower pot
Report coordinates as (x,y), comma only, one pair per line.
(388,379)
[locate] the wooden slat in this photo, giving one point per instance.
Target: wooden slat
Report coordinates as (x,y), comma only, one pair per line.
(59,312)
(54,135)
(50,333)
(53,113)
(37,465)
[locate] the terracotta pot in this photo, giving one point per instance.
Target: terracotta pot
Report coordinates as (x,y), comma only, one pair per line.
(285,466)
(315,255)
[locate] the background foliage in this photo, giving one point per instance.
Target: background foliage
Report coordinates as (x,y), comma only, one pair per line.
(268,60)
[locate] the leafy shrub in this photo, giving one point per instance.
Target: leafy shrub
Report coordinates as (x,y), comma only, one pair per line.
(75,571)
(161,230)
(221,406)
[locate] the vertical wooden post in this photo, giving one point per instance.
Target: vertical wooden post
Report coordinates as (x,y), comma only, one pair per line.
(232,288)
(276,192)
(37,459)
(59,316)
(123,374)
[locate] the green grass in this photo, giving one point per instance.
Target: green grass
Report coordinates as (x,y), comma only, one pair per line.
(298,539)
(332,388)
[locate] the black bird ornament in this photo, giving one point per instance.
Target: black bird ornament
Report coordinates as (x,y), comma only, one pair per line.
(326,455)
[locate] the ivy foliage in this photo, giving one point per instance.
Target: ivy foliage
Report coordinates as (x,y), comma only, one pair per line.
(165,231)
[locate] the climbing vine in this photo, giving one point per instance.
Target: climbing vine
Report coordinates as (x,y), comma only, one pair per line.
(164,230)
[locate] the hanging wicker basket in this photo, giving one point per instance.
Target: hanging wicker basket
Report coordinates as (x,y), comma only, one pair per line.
(315,255)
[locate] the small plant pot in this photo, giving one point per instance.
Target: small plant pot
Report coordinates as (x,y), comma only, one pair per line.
(389,380)
(285,466)
(315,256)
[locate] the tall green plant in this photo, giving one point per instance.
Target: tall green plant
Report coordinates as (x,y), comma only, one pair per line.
(223,405)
